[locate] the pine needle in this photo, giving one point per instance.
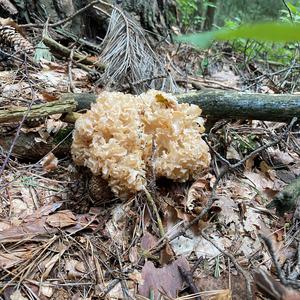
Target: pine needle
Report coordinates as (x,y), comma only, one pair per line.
(130,59)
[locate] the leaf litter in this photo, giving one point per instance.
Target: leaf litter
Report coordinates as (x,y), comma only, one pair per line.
(58,242)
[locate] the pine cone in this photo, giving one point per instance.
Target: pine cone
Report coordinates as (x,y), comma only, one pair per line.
(99,190)
(13,43)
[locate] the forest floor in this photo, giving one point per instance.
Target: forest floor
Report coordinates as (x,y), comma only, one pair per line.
(62,237)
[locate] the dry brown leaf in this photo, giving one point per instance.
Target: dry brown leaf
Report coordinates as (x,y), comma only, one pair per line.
(263,183)
(48,96)
(61,219)
(74,269)
(116,225)
(133,255)
(4,225)
(219,287)
(47,291)
(198,192)
(281,157)
(43,211)
(50,263)
(229,210)
(8,260)
(167,280)
(232,153)
(49,162)
(148,241)
(38,229)
(136,276)
(17,296)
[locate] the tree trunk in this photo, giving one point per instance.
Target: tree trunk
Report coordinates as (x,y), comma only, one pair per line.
(210,15)
(152,15)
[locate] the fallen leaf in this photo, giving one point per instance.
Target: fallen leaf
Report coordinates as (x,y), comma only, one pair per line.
(61,219)
(198,192)
(17,296)
(167,280)
(229,210)
(74,269)
(148,241)
(38,229)
(47,291)
(50,263)
(49,162)
(8,260)
(136,276)
(232,153)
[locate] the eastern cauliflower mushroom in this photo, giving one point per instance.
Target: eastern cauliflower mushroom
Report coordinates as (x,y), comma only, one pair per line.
(114,139)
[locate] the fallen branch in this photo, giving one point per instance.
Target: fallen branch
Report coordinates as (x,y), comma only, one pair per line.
(234,105)
(215,105)
(14,114)
(66,52)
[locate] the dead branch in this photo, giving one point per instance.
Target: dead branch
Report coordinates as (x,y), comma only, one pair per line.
(215,105)
(65,52)
(14,114)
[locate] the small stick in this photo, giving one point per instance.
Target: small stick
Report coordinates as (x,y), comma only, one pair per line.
(188,278)
(151,202)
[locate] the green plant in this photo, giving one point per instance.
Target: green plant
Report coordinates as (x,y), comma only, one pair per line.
(189,13)
(261,50)
(269,31)
(292,14)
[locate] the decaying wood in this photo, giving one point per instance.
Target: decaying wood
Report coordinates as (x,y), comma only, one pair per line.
(14,114)
(30,147)
(235,105)
(215,104)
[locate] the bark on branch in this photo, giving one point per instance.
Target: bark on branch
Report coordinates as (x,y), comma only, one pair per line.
(215,105)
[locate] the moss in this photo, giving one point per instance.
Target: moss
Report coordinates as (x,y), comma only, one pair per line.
(63,136)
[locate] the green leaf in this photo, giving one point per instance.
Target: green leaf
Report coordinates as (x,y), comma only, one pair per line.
(271,31)
(201,40)
(292,8)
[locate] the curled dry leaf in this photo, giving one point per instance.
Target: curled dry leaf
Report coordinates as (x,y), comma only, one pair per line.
(49,162)
(198,192)
(74,269)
